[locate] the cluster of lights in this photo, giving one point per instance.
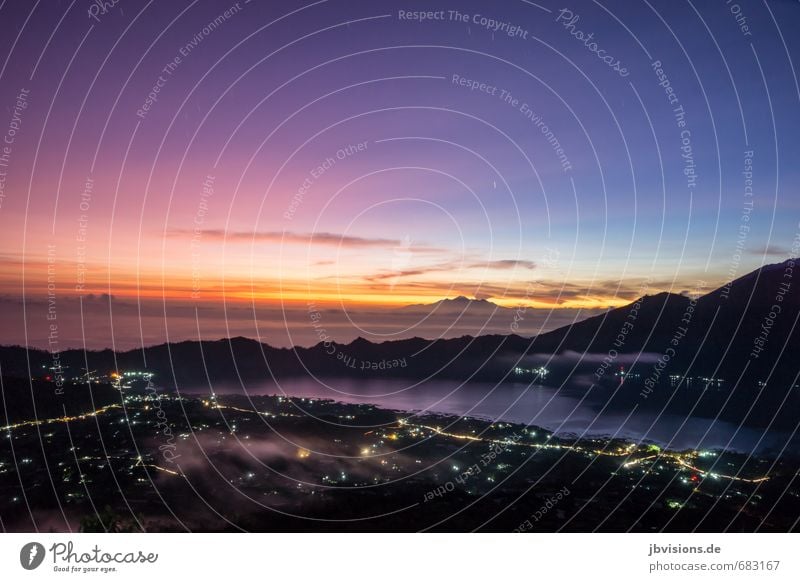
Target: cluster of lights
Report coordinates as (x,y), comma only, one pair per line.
(540,372)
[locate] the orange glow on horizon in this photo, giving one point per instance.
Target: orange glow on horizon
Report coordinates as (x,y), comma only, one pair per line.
(181,285)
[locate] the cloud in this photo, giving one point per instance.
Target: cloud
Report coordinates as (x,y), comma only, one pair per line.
(318,238)
(234,473)
(505,264)
(770,251)
(502,264)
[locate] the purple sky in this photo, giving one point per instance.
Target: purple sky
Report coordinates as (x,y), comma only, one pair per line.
(237,155)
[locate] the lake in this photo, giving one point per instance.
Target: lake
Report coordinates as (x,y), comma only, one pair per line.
(556,410)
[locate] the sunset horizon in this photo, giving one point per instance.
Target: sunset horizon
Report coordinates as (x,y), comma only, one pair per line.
(317,267)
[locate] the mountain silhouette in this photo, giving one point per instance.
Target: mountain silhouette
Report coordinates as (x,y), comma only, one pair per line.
(457,303)
(744,334)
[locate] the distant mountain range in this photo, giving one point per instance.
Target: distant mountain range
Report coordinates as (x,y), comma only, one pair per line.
(743,335)
(459,303)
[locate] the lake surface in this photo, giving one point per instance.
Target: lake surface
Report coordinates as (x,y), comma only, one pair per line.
(546,407)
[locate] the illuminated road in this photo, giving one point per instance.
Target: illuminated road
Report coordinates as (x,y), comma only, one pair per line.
(665,456)
(679,459)
(62,419)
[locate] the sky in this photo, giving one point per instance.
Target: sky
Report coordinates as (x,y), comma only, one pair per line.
(186,165)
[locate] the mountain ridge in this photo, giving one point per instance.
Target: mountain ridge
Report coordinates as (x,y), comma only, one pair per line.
(714,336)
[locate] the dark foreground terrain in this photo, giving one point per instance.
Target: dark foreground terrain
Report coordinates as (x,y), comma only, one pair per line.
(137,459)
